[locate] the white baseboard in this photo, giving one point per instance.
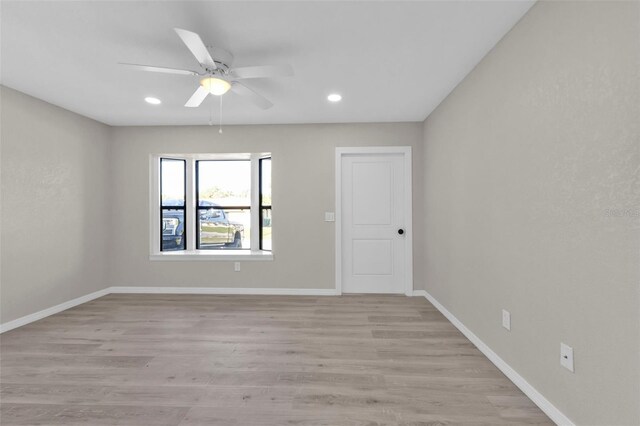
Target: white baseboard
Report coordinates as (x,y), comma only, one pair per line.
(543,403)
(52,310)
(227,290)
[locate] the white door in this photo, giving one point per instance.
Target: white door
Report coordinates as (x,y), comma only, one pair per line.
(373,202)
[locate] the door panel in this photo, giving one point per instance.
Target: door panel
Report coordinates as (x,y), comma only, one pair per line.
(372,257)
(372,193)
(373,202)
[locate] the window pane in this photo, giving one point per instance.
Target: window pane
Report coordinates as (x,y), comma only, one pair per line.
(266,229)
(224,228)
(172,229)
(172,182)
(265,200)
(224,183)
(265,181)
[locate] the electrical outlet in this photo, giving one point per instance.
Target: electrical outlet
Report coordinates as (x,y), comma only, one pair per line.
(566,356)
(506,319)
(236,266)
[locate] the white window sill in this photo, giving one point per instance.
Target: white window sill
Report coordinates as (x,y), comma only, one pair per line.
(223,255)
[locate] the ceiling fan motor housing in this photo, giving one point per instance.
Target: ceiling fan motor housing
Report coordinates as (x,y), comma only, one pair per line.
(222,58)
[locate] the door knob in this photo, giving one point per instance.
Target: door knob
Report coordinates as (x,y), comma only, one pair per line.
(400,231)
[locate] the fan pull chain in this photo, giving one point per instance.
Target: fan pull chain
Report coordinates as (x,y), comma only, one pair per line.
(211,114)
(220,130)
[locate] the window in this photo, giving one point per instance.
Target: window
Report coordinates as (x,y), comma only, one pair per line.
(223,190)
(207,206)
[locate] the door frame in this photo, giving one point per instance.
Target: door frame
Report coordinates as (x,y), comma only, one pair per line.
(405,151)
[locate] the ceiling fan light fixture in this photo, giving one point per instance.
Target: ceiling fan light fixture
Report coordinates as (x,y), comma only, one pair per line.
(215,86)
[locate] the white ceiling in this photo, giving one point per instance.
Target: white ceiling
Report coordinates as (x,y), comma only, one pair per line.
(391,61)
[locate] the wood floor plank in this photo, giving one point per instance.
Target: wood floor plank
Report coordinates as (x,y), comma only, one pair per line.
(138,359)
(98,415)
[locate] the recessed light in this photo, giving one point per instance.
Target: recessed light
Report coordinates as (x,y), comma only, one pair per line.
(152,101)
(334,97)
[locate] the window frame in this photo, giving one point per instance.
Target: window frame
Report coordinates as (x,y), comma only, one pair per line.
(262,207)
(162,207)
(191,210)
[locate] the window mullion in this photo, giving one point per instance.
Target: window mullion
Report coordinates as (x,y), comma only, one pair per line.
(190,209)
(255,200)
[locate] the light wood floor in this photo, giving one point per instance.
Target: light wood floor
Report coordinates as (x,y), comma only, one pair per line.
(252,360)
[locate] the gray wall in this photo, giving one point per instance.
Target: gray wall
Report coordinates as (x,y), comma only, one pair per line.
(54,205)
(303,189)
(522,162)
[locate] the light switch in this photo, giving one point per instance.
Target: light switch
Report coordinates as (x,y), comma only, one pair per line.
(506,319)
(329,217)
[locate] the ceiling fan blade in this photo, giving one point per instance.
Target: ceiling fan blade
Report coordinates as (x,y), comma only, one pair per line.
(249,94)
(197,47)
(197,98)
(158,69)
(264,71)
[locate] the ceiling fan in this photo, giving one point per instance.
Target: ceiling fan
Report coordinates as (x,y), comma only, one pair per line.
(218,75)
